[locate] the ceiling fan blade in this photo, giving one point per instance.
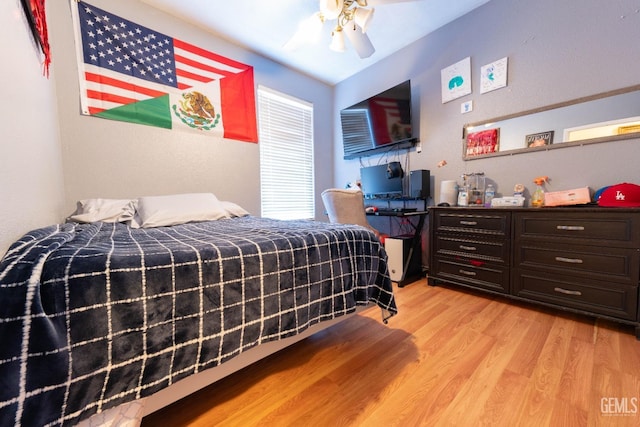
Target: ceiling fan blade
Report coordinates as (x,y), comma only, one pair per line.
(360,41)
(309,31)
(374,3)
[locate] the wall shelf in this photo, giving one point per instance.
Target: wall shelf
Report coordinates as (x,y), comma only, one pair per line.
(383,148)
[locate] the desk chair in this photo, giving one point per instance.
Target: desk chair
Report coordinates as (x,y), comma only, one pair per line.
(346,207)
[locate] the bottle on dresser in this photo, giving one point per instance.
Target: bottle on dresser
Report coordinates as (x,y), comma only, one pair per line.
(489,194)
(463,196)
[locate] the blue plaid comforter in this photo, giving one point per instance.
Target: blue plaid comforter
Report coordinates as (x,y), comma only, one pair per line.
(95,315)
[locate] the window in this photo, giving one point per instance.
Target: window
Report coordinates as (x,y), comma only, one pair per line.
(286,156)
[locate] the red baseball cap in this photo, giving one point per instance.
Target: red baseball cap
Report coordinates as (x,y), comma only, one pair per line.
(622,195)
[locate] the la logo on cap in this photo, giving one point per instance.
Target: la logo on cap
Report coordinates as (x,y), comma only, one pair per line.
(624,195)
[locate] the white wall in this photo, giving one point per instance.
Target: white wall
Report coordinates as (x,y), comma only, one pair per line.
(31,186)
(104,158)
(557,50)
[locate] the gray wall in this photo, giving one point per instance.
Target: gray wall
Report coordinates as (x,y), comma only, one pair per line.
(558,50)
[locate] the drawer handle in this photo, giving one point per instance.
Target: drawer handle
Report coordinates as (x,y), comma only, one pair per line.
(568,292)
(570,227)
(569,260)
(468,248)
(467,273)
(468,223)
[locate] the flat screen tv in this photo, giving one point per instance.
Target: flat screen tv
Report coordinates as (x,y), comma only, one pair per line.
(379,121)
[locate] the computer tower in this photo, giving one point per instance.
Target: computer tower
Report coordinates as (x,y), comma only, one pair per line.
(401,258)
(419,184)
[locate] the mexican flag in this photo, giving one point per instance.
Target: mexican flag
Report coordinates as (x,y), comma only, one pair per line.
(131,73)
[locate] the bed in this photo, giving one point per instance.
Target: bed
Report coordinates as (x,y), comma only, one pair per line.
(98,315)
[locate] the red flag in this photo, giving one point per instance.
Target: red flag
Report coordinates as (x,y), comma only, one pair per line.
(35,13)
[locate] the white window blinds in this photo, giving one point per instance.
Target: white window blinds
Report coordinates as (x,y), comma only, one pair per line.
(286,156)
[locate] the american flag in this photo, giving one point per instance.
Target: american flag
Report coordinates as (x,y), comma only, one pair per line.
(130,72)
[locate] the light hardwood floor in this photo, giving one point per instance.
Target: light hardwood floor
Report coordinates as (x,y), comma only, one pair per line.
(450,357)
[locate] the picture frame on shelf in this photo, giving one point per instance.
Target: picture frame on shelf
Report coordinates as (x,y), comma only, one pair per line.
(482,142)
(539,139)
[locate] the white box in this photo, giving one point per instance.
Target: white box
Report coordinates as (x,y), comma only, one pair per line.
(507,201)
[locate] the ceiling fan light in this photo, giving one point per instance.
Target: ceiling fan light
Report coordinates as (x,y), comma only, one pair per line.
(331,9)
(337,40)
(363,17)
(360,41)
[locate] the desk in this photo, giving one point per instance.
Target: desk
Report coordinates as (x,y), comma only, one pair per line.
(411,265)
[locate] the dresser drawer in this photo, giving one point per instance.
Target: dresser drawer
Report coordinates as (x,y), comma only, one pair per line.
(497,224)
(599,297)
(579,259)
(486,276)
(496,250)
(609,229)
(617,264)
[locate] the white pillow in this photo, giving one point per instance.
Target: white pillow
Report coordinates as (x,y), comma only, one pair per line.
(233,210)
(160,211)
(106,210)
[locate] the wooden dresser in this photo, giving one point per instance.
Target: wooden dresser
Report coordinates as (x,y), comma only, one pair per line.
(584,260)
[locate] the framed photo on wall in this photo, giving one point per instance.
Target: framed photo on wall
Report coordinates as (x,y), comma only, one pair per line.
(456,80)
(493,76)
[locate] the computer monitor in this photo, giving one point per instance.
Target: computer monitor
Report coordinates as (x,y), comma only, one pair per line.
(377,184)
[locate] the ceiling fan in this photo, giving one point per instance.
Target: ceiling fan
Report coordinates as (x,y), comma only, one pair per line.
(352,20)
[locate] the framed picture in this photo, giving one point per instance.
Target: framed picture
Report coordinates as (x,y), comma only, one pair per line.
(456,80)
(539,139)
(493,76)
(483,142)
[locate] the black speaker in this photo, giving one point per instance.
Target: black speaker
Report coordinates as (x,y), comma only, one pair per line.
(419,184)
